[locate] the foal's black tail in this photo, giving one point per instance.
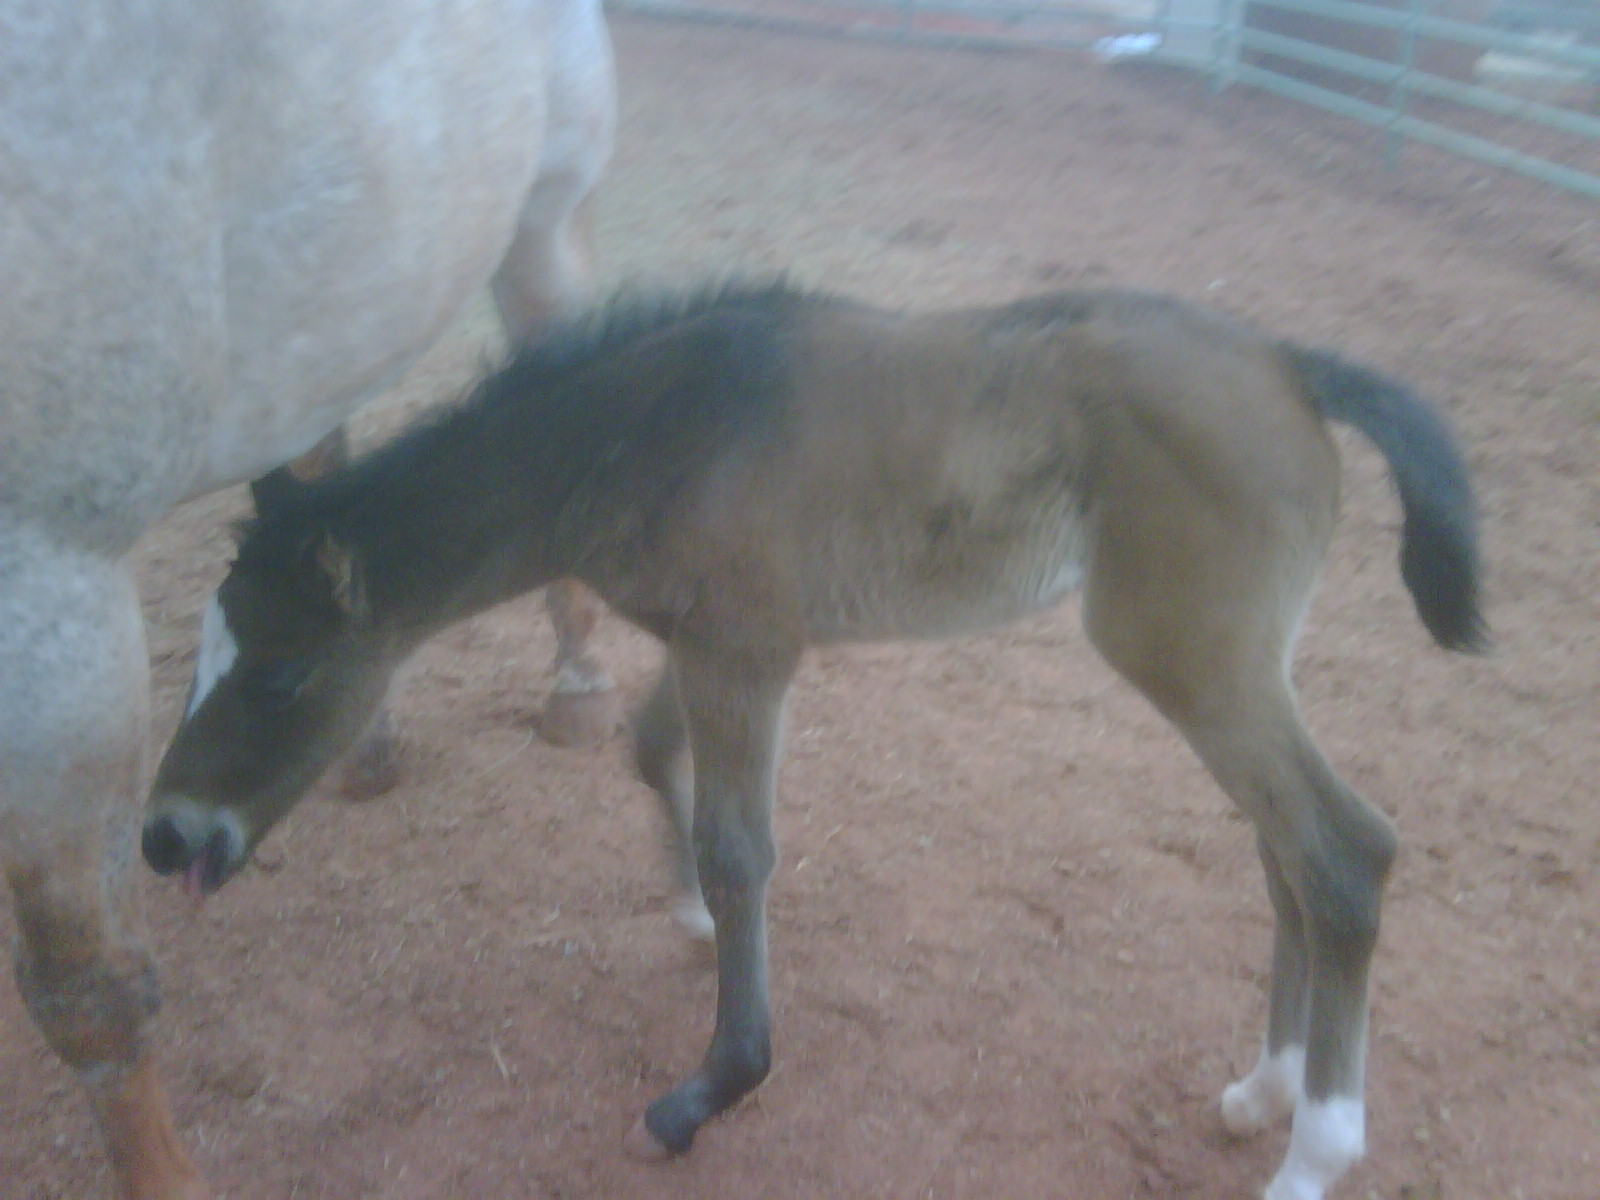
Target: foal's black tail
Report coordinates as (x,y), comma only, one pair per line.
(1439,543)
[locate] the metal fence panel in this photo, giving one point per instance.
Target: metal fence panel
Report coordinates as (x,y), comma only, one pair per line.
(1514,137)
(1535,64)
(1040,24)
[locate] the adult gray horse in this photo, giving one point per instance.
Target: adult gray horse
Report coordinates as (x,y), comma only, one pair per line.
(222,228)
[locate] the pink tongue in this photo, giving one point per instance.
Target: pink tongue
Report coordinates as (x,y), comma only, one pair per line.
(191,880)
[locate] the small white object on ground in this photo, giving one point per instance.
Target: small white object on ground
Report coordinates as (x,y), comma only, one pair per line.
(1126,45)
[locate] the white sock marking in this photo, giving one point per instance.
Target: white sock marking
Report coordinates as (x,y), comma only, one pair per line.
(690,911)
(1326,1139)
(217,653)
(1269,1093)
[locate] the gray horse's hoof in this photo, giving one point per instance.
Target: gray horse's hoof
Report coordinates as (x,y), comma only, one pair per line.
(579,719)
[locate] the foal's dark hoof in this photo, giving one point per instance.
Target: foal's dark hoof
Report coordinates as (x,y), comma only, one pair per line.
(579,719)
(643,1145)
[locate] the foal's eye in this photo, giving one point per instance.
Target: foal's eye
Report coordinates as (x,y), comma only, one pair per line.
(276,686)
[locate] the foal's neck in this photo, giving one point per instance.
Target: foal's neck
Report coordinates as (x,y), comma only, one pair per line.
(466,512)
(563,462)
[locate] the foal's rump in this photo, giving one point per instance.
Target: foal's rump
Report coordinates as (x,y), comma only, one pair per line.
(1220,494)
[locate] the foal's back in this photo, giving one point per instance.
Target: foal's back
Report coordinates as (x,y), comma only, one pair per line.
(932,474)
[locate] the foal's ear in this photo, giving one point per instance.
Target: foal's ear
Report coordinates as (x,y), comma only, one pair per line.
(341,569)
(274,490)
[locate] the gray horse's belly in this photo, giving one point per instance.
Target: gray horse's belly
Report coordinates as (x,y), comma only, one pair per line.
(373,187)
(277,232)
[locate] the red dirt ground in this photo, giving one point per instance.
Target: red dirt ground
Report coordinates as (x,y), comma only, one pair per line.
(1018,938)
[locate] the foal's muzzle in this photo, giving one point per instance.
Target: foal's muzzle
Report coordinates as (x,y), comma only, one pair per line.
(207,851)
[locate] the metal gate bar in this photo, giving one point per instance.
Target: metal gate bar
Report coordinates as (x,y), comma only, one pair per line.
(1403,79)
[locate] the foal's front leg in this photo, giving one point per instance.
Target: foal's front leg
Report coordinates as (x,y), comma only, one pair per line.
(661,752)
(733,705)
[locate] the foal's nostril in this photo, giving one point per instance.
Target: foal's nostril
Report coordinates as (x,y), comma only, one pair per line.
(164,847)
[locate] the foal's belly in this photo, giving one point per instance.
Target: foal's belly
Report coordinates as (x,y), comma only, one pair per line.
(977,582)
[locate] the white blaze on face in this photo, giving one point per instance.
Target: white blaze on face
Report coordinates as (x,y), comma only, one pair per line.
(217,652)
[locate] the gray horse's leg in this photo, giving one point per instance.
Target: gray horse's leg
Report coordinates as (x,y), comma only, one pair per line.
(734,711)
(373,767)
(73,704)
(661,752)
(546,274)
(584,708)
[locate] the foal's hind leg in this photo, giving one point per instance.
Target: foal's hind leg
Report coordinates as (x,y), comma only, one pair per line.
(1204,629)
(73,699)
(1334,851)
(372,768)
(1273,1087)
(545,275)
(661,751)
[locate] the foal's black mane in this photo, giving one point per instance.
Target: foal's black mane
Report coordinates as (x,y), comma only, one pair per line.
(625,318)
(541,422)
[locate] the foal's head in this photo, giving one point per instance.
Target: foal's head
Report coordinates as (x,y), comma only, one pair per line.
(291,668)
